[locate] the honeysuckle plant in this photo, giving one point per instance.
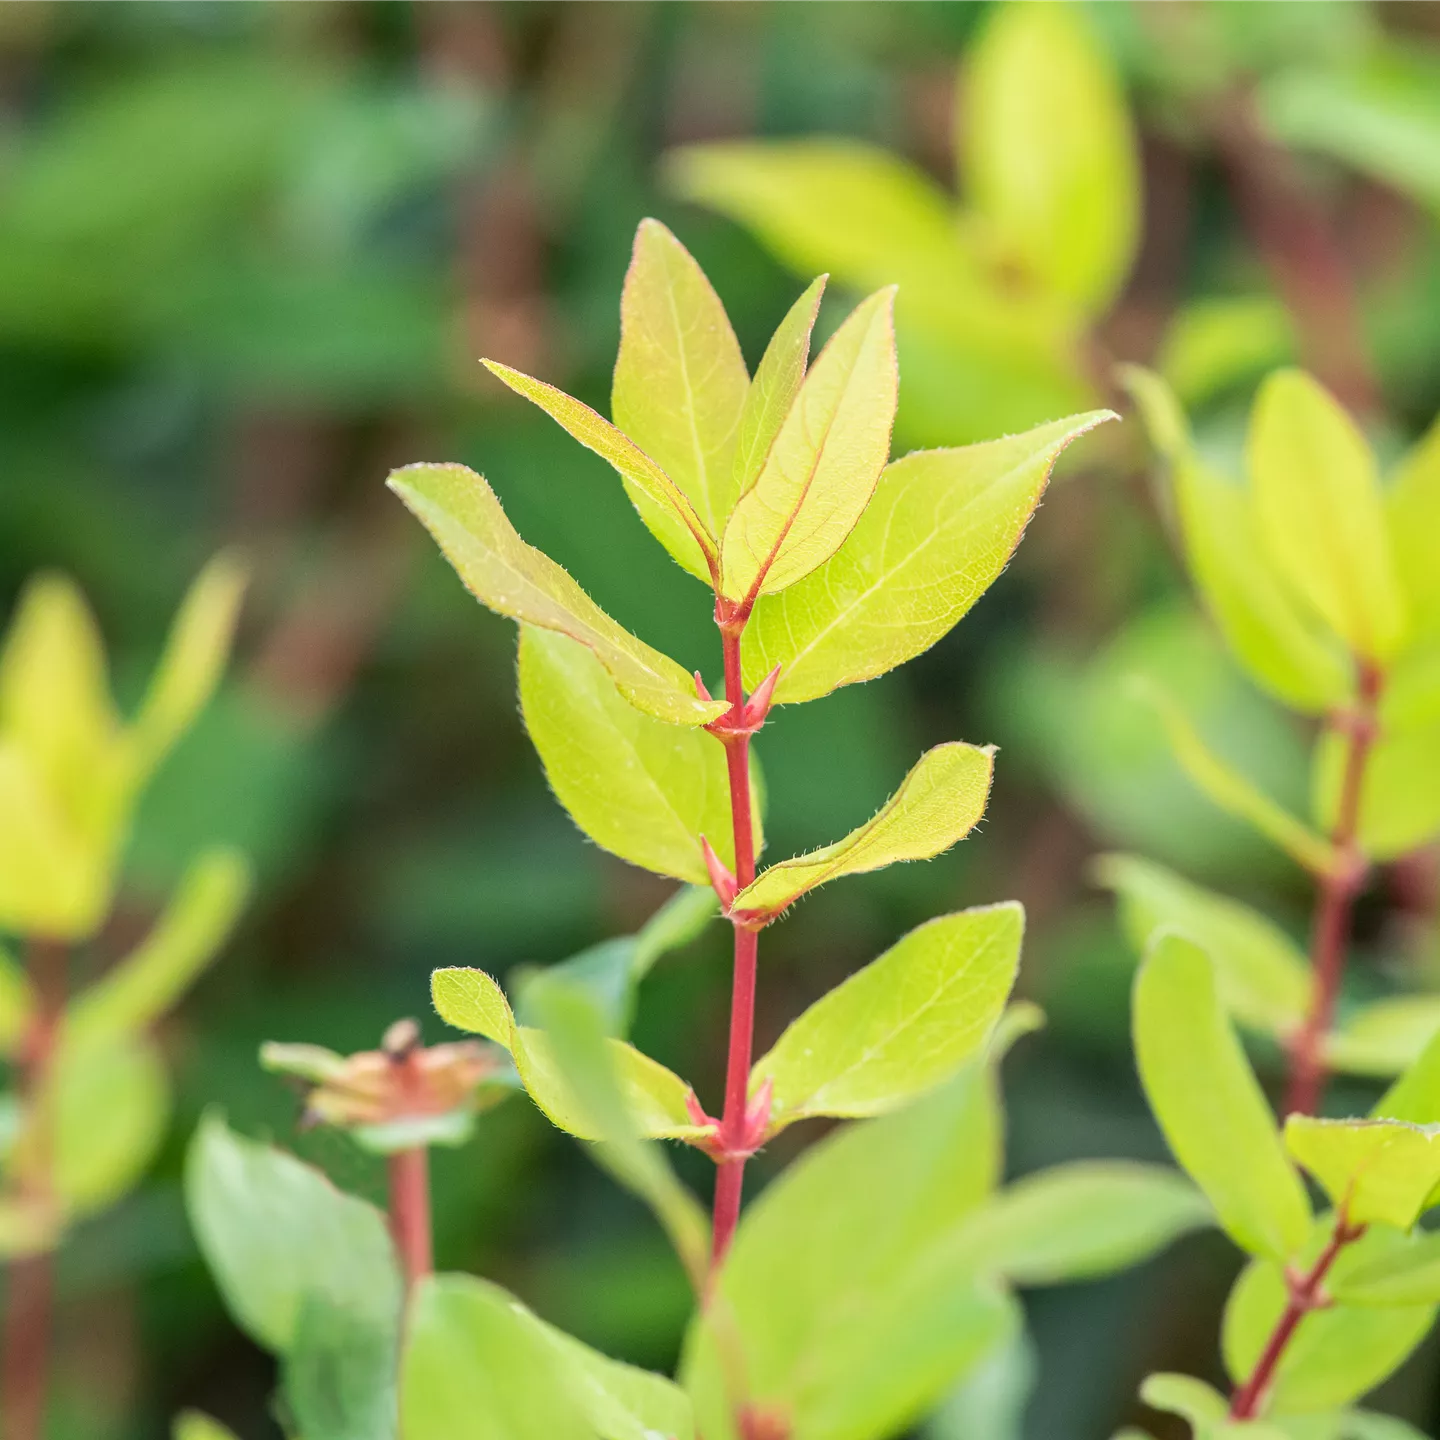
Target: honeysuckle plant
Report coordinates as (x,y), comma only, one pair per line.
(1323,581)
(90,1100)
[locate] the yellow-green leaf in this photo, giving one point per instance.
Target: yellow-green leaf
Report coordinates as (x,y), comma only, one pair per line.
(662,504)
(1233,792)
(1413,513)
(645,790)
(1400,790)
(680,380)
(1047,151)
(1264,978)
(773,390)
(902,1024)
(1209,1104)
(148,981)
(460,510)
(1266,627)
(1216,342)
(195,1425)
(824,462)
(1372,1170)
(941,527)
(471,1000)
(1321,514)
(939,802)
(1384,1037)
(1403,1275)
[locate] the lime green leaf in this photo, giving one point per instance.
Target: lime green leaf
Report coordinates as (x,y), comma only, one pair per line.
(1082,1220)
(17,1003)
(1372,1170)
(1321,516)
(148,981)
(460,510)
(1412,509)
(1411,697)
(1384,1037)
(474,1369)
(1369,1425)
(842,1324)
(902,1024)
(941,527)
(111,1105)
(642,789)
(1284,650)
(939,802)
(1336,1354)
(824,462)
(1216,342)
(680,380)
(274,1231)
(1415,1096)
(1400,792)
(1264,978)
(338,1374)
(597,1090)
(195,1425)
(1204,1407)
(992,1398)
(471,1000)
(1403,1275)
(1047,151)
(1231,791)
(773,390)
(661,503)
(194,657)
(1209,1104)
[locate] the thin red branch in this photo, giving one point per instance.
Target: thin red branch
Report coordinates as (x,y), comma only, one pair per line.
(1306,1294)
(410,1213)
(1335,905)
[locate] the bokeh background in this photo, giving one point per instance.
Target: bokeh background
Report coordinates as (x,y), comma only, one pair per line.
(249,255)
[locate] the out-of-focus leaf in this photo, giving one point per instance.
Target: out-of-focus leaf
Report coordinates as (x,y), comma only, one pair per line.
(148,981)
(662,504)
(339,1370)
(680,380)
(1413,511)
(941,527)
(1202,1405)
(1232,791)
(1372,1170)
(1282,647)
(640,788)
(195,1425)
(1369,1425)
(1209,1104)
(17,1002)
(1219,341)
(471,1000)
(1047,152)
(1321,514)
(1264,978)
(460,510)
(275,1231)
(1384,1037)
(1401,1275)
(992,1400)
(939,802)
(902,1024)
(1415,1096)
(1400,791)
(825,460)
(1336,1354)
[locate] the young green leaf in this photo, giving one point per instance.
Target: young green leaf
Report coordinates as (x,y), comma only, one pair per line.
(1265,626)
(1048,155)
(941,527)
(824,462)
(644,790)
(772,392)
(1320,512)
(1209,1104)
(460,510)
(1231,791)
(902,1024)
(939,802)
(1415,1096)
(680,380)
(338,1374)
(661,503)
(1081,1220)
(1203,1406)
(1413,516)
(274,1231)
(471,1000)
(143,986)
(1372,1170)
(1400,794)
(194,1425)
(1336,1354)
(1264,978)
(993,1398)
(1403,1275)
(1384,1037)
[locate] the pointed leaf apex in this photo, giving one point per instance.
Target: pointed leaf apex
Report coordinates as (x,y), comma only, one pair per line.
(726,886)
(758,706)
(700,688)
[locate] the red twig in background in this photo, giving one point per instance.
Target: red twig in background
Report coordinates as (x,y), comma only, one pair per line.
(1334,906)
(410,1212)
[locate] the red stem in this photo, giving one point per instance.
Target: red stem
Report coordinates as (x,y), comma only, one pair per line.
(30,1291)
(730,1176)
(1305,1296)
(410,1212)
(1334,907)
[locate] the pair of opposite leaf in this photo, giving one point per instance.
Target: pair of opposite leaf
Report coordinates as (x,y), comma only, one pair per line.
(1379,1174)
